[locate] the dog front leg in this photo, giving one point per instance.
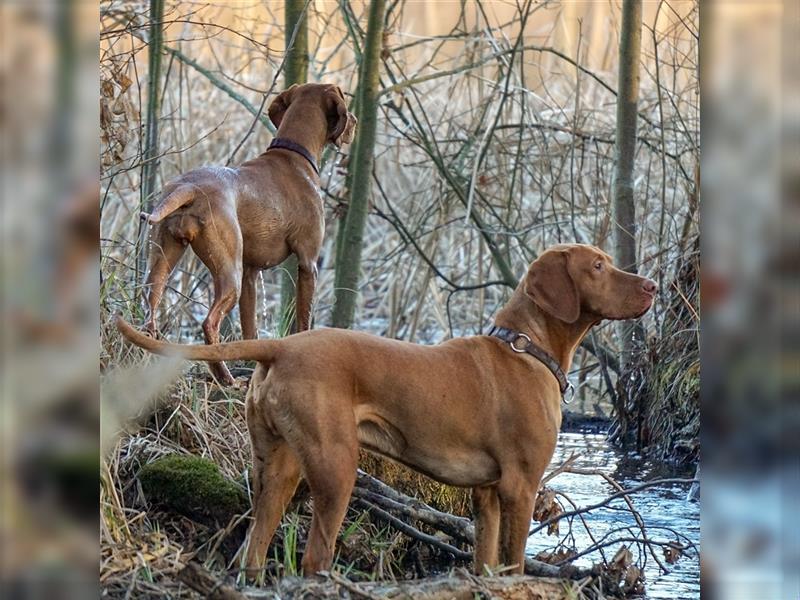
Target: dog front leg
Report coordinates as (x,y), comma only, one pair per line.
(247,304)
(516,509)
(331,473)
(486,511)
(306,284)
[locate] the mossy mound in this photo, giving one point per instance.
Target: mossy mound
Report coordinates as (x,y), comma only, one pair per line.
(192,486)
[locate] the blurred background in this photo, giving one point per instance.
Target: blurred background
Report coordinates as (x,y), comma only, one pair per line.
(495,138)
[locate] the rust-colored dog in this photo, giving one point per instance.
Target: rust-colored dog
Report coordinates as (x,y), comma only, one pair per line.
(242,220)
(469,412)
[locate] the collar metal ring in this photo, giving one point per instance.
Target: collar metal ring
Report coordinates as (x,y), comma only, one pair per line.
(520,336)
(569,393)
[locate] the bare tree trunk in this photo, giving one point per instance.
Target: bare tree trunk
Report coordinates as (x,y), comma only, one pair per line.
(295,70)
(348,260)
(150,156)
(623,205)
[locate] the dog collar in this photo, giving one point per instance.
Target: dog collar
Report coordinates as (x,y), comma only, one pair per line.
(285,144)
(521,343)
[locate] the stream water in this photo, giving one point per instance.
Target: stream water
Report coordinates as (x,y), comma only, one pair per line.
(660,507)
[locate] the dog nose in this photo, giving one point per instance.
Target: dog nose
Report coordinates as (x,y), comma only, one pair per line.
(650,286)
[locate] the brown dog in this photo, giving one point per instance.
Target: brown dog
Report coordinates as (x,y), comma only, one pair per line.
(475,412)
(240,221)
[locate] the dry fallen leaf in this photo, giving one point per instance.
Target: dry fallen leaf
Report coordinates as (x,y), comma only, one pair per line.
(622,559)
(672,554)
(556,557)
(547,507)
(633,583)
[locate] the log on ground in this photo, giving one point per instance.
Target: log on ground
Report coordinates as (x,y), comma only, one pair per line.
(459,585)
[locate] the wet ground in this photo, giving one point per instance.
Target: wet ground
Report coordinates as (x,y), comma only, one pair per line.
(662,508)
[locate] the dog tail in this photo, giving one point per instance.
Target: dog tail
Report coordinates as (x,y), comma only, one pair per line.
(176,199)
(261,350)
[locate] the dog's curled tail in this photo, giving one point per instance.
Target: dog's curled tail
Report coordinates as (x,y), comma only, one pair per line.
(260,350)
(178,198)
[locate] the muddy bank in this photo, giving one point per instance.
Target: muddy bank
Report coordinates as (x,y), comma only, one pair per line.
(576,422)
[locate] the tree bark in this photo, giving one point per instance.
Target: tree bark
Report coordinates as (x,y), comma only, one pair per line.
(295,70)
(623,188)
(150,156)
(348,260)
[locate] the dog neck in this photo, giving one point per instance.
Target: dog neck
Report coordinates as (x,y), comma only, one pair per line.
(556,337)
(307,126)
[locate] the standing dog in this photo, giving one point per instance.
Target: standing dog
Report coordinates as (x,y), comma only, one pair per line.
(242,220)
(480,412)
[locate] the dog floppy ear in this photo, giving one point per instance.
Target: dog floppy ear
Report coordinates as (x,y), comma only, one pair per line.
(549,284)
(341,122)
(278,107)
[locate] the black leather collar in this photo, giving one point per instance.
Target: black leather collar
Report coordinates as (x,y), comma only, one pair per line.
(285,144)
(522,343)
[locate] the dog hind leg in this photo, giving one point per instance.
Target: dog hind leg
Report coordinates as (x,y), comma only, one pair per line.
(219,246)
(165,252)
(226,293)
(276,473)
(331,473)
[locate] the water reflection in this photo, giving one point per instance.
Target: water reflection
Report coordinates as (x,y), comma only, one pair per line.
(662,508)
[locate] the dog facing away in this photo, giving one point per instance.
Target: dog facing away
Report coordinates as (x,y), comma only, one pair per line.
(242,220)
(475,412)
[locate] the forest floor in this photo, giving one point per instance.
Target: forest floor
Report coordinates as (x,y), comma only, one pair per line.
(176,491)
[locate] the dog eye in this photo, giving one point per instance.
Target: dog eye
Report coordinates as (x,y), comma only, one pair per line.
(599,265)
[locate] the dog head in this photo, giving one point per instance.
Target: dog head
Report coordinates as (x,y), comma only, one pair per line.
(569,281)
(341,123)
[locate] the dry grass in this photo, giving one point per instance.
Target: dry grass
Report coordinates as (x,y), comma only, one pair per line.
(449,499)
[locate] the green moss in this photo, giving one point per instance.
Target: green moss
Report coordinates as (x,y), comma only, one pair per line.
(192,486)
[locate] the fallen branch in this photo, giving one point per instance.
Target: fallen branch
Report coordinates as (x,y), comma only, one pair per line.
(459,528)
(608,500)
(564,466)
(639,521)
(412,531)
(388,498)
